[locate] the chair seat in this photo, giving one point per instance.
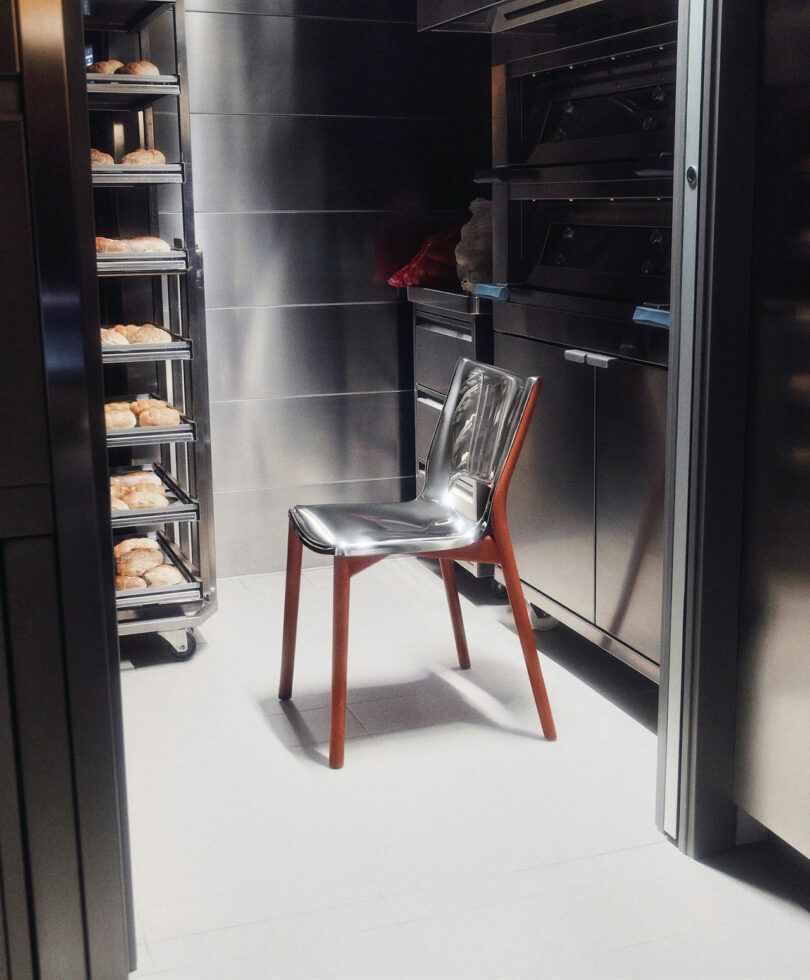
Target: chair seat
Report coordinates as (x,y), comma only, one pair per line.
(400,528)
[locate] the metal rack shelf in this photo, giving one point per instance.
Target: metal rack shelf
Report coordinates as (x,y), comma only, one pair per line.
(114,93)
(180,507)
(152,435)
(122,16)
(131,174)
(161,595)
(142,263)
(179,349)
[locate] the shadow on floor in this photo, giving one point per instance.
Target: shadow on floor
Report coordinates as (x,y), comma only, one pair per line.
(630,691)
(772,866)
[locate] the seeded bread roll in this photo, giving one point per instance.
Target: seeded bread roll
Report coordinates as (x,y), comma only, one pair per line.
(129,582)
(159,416)
(149,334)
(142,404)
(137,562)
(134,479)
(135,544)
(109,338)
(138,68)
(120,420)
(117,504)
(105,67)
(111,245)
(142,157)
(96,156)
(164,575)
(137,499)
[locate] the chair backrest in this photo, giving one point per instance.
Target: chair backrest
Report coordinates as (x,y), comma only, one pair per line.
(476,429)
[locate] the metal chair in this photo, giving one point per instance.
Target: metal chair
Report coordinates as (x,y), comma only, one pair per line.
(479,436)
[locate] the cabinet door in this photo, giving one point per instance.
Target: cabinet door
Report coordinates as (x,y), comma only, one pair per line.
(631,404)
(551,499)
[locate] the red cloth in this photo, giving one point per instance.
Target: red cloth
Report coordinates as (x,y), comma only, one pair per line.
(434,262)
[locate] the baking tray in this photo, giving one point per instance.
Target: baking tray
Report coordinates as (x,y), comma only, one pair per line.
(141,263)
(188,590)
(181,507)
(110,93)
(179,349)
(150,435)
(124,174)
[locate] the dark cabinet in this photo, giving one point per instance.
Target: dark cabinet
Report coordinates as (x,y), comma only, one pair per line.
(586,504)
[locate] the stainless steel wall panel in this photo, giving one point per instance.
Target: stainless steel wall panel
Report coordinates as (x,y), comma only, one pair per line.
(551,501)
(402,10)
(278,162)
(252,524)
(289,351)
(321,439)
(631,403)
(320,66)
(271,259)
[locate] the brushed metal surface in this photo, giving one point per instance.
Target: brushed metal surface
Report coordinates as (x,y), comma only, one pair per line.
(402,10)
(269,259)
(631,409)
(252,524)
(551,500)
(437,346)
(284,162)
(320,439)
(322,66)
(427,412)
(307,350)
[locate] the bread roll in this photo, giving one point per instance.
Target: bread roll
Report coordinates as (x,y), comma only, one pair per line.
(147,243)
(142,404)
(116,492)
(135,544)
(120,420)
(117,504)
(137,562)
(143,488)
(164,575)
(116,407)
(149,334)
(111,245)
(152,157)
(112,337)
(137,499)
(136,478)
(159,416)
(138,68)
(105,67)
(96,156)
(129,582)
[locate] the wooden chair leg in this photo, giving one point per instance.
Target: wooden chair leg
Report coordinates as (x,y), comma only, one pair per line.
(291,596)
(449,575)
(340,651)
(524,628)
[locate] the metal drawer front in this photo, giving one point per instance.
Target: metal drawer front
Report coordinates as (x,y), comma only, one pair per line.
(428,410)
(437,347)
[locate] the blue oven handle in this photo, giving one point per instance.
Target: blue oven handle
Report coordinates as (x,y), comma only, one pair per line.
(492,291)
(651,316)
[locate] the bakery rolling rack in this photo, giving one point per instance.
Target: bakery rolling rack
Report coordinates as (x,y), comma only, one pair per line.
(130,112)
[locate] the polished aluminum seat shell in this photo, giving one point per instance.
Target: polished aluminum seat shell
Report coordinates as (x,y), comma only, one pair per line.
(472,441)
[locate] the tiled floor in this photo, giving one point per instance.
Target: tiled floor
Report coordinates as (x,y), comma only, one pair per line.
(456,842)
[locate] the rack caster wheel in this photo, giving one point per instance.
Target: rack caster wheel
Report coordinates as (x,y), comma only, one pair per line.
(541,621)
(183,643)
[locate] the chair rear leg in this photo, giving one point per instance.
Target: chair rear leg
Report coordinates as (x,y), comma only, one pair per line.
(524,628)
(449,575)
(291,596)
(340,652)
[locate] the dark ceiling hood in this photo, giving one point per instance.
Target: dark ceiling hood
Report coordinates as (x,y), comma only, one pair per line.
(492,17)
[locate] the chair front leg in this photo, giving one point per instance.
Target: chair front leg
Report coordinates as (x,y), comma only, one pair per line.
(450,587)
(340,653)
(524,628)
(291,596)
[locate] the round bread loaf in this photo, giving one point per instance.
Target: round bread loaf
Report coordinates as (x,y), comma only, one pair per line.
(147,243)
(138,68)
(125,329)
(135,544)
(129,582)
(159,416)
(105,67)
(142,404)
(116,407)
(149,334)
(111,245)
(137,562)
(136,478)
(144,157)
(96,156)
(137,499)
(143,488)
(117,504)
(164,575)
(112,337)
(120,420)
